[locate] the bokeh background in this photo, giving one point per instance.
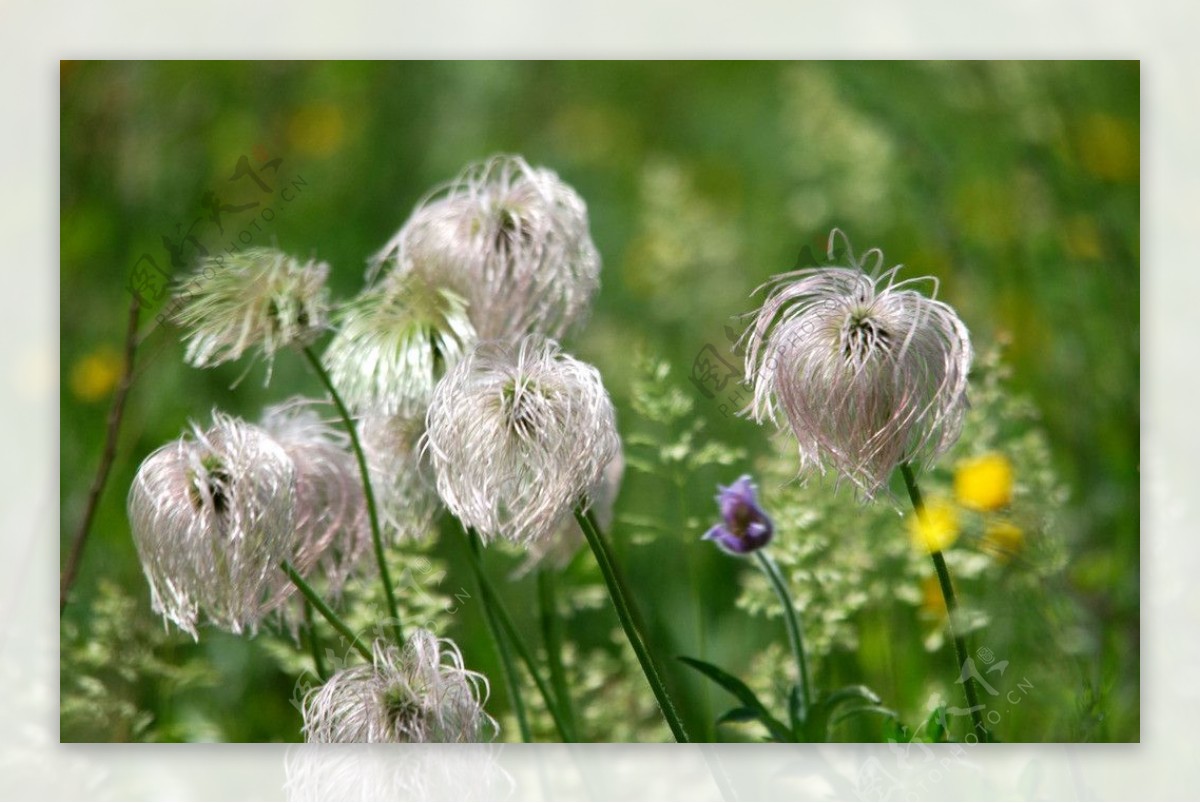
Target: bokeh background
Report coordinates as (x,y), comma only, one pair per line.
(1015,183)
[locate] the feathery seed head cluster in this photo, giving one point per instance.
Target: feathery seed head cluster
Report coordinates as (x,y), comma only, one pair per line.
(401,475)
(518,436)
(422,693)
(511,239)
(394,342)
(259,298)
(866,371)
(556,551)
(212,516)
(330,516)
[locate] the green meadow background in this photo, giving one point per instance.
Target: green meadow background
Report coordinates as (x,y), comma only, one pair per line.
(1015,183)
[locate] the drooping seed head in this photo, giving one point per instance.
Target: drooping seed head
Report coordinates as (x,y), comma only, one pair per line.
(394,342)
(556,551)
(257,299)
(518,436)
(511,239)
(867,371)
(212,516)
(330,519)
(401,474)
(422,693)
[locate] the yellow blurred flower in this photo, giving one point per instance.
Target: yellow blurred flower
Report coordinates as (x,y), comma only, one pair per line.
(317,129)
(94,375)
(984,483)
(1003,540)
(935,528)
(933,604)
(1109,147)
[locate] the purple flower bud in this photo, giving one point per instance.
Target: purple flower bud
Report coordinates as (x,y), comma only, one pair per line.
(746,528)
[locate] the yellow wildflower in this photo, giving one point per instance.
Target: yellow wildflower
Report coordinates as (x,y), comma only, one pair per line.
(95,375)
(935,528)
(933,604)
(984,483)
(1002,540)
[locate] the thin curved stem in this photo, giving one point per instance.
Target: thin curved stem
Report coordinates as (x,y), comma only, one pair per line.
(116,414)
(315,600)
(372,510)
(960,643)
(628,615)
(511,681)
(795,634)
(510,629)
(314,641)
(552,638)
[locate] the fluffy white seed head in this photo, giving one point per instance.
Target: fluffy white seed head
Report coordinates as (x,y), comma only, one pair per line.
(867,371)
(511,239)
(422,693)
(330,516)
(259,298)
(394,342)
(212,518)
(558,550)
(519,434)
(401,474)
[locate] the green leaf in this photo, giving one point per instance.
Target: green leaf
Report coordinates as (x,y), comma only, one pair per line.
(819,719)
(745,696)
(935,726)
(796,710)
(739,714)
(855,692)
(861,711)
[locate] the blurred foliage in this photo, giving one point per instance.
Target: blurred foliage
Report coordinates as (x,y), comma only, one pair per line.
(1015,183)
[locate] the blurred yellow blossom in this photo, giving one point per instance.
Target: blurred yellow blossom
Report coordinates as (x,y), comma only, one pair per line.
(317,129)
(935,528)
(984,483)
(1003,540)
(933,604)
(94,375)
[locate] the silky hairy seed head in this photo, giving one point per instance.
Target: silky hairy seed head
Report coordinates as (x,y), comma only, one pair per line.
(422,693)
(259,298)
(330,519)
(867,372)
(556,551)
(518,436)
(393,344)
(511,239)
(212,517)
(401,475)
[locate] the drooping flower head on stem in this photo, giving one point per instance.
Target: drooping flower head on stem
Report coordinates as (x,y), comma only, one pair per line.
(744,526)
(557,551)
(401,474)
(518,436)
(394,342)
(212,518)
(259,298)
(867,371)
(330,519)
(511,239)
(422,693)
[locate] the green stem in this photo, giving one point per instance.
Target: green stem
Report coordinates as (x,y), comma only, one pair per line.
(492,601)
(960,643)
(628,615)
(372,511)
(511,682)
(553,641)
(314,641)
(795,637)
(315,600)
